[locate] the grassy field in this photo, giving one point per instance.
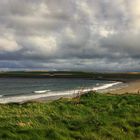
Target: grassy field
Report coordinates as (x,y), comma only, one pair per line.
(90,117)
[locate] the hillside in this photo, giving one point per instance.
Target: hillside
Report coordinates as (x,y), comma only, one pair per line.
(90,117)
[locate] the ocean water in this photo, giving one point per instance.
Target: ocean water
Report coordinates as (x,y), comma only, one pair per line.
(22,89)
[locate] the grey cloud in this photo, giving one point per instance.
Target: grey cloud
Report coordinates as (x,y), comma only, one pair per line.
(100,35)
(125,43)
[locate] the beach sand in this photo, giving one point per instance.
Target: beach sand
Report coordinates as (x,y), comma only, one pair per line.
(132,87)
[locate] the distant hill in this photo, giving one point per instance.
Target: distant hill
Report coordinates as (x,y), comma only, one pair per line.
(69,74)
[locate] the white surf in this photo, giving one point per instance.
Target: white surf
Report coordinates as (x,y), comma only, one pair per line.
(41,91)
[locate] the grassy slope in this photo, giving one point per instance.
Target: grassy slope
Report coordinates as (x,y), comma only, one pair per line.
(93,116)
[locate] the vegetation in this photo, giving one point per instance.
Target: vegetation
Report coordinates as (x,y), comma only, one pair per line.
(89,117)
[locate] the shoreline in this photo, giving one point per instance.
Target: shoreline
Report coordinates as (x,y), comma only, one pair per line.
(48,96)
(131,87)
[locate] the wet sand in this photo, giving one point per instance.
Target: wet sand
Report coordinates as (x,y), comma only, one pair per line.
(132,87)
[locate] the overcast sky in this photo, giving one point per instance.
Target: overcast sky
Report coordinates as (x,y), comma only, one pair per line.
(88,35)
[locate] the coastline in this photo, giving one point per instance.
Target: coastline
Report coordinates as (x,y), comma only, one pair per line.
(116,88)
(50,96)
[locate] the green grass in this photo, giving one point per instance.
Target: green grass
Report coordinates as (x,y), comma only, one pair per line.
(91,117)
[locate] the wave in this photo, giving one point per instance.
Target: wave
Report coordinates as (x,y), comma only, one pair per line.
(41,91)
(1,96)
(49,94)
(105,86)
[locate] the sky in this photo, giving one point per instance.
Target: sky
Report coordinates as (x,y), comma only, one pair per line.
(85,35)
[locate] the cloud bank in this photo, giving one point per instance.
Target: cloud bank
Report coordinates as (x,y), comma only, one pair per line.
(93,35)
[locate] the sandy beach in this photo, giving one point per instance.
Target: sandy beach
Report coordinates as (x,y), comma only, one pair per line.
(132,87)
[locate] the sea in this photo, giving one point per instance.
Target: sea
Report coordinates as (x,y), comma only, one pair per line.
(26,89)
